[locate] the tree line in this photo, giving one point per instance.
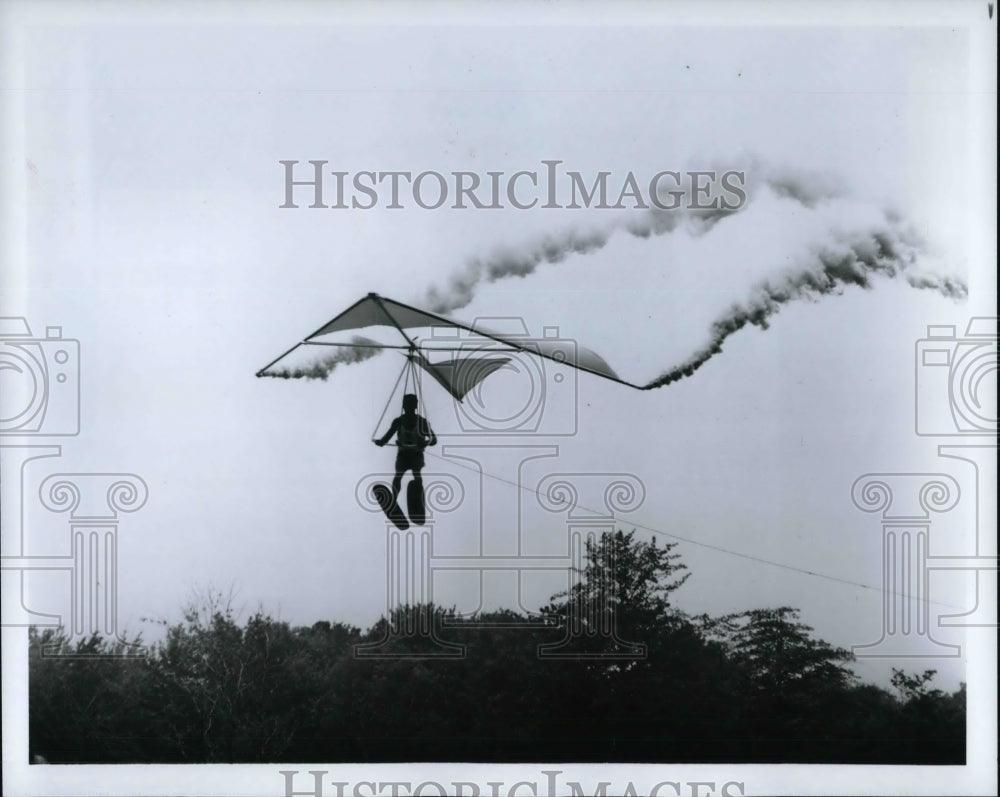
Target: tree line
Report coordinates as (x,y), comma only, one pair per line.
(608,671)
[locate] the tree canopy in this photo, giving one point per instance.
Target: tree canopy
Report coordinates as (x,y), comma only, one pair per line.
(613,672)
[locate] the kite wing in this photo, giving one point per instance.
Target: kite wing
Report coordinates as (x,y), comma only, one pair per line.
(476,359)
(459,376)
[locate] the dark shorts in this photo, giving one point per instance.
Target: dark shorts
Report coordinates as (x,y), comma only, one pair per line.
(409,459)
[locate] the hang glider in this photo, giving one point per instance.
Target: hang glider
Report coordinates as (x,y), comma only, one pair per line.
(477,354)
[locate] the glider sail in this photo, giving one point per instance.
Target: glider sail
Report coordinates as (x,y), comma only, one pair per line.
(458,377)
(373,310)
(477,353)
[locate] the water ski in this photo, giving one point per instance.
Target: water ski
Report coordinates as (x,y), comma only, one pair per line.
(415,503)
(383,494)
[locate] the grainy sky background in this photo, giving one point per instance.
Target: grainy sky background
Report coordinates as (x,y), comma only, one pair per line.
(150,231)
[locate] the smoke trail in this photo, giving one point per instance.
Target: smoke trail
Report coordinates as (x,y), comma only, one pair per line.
(322,365)
(948,286)
(848,260)
(807,189)
(550,249)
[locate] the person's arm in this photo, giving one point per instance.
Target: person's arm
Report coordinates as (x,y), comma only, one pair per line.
(392,430)
(431,437)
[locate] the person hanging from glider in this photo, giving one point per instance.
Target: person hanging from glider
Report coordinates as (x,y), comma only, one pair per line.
(476,353)
(413,434)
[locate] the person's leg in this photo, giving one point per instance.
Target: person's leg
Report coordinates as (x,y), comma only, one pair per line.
(417,465)
(397,480)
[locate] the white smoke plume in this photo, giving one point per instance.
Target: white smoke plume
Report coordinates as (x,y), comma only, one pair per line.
(550,249)
(886,248)
(857,259)
(323,360)
(804,188)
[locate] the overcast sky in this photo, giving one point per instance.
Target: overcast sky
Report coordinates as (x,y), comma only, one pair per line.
(153,235)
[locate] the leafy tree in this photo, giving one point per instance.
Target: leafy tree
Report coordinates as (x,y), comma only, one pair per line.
(83,698)
(790,682)
(234,693)
(656,686)
(779,655)
(914,687)
(625,584)
(752,686)
(930,724)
